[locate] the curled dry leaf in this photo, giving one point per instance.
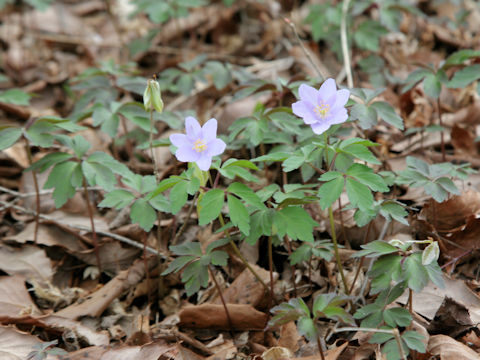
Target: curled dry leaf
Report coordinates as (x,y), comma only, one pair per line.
(450,349)
(212,316)
(29,261)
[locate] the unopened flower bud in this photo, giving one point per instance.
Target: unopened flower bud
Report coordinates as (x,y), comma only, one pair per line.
(152,97)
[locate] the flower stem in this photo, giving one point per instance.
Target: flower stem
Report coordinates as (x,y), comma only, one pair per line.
(185,222)
(152,153)
(332,224)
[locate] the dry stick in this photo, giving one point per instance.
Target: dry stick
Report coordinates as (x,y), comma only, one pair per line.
(185,222)
(362,259)
(92,224)
(37,190)
(393,332)
(320,74)
(442,140)
(229,319)
(86,228)
(343,38)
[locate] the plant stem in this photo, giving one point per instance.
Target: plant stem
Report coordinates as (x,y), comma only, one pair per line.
(236,250)
(270,268)
(37,190)
(92,224)
(332,225)
(335,249)
(289,249)
(152,153)
(185,222)
(343,38)
(396,333)
(229,319)
(320,349)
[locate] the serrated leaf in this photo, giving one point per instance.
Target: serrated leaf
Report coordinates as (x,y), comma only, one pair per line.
(397,317)
(246,194)
(366,116)
(293,162)
(210,206)
(143,214)
(260,224)
(376,248)
(295,222)
(49,160)
(238,214)
(117,199)
(97,174)
(330,191)
(219,258)
(367,177)
(414,340)
(388,114)
(306,327)
(60,179)
(359,195)
(448,185)
(436,191)
(361,152)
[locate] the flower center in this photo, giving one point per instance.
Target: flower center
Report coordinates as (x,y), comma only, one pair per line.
(199,146)
(322,110)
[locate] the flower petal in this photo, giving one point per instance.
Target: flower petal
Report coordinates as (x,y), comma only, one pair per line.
(327,89)
(320,127)
(342,98)
(204,162)
(308,93)
(187,154)
(339,116)
(209,130)
(215,147)
(304,110)
(194,131)
(180,140)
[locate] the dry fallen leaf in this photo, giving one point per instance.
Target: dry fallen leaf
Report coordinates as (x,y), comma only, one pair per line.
(450,349)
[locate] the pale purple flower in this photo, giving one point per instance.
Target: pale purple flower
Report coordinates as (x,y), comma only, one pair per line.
(322,108)
(199,144)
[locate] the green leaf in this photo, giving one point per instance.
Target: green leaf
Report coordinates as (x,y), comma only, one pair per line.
(366,116)
(15,96)
(273,156)
(432,86)
(293,162)
(307,328)
(359,195)
(361,152)
(117,199)
(49,160)
(465,76)
(240,163)
(178,264)
(178,196)
(238,214)
(376,248)
(109,162)
(436,191)
(397,317)
(448,185)
(143,214)
(9,136)
(435,274)
(189,248)
(210,206)
(246,194)
(393,210)
(380,338)
(367,35)
(160,203)
(260,224)
(388,114)
(295,222)
(330,191)
(414,340)
(367,177)
(60,178)
(415,272)
(97,174)
(219,258)
(459,57)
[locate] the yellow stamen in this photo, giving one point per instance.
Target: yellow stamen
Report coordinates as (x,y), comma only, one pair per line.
(322,110)
(199,145)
